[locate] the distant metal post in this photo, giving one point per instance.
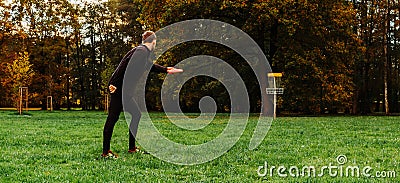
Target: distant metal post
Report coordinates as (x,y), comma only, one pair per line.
(23,99)
(49,103)
(106,103)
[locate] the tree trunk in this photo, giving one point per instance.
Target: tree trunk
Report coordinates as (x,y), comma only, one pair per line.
(80,70)
(385,56)
(68,77)
(273,41)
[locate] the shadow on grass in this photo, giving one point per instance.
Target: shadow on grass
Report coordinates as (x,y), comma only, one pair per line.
(26,114)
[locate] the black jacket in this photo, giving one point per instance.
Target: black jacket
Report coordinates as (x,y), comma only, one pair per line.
(140,55)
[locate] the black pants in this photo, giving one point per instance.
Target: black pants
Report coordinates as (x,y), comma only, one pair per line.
(114,112)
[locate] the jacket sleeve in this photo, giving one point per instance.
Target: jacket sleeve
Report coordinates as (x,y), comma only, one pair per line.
(158,68)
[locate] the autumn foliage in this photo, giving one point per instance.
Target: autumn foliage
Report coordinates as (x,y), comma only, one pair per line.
(336,55)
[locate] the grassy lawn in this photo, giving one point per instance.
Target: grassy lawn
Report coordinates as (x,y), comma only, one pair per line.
(65,146)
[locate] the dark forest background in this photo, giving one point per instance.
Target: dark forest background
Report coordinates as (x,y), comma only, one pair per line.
(336,56)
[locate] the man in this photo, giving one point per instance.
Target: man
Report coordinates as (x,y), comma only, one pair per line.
(140,58)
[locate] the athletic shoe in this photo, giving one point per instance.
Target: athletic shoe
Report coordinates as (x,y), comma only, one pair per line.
(109,155)
(137,150)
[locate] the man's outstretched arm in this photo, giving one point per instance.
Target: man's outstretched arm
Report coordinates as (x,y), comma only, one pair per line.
(169,70)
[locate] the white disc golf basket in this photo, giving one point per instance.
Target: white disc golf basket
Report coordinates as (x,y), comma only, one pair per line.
(23,99)
(274,87)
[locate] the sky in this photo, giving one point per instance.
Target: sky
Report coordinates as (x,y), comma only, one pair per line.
(72,1)
(7,1)
(79,1)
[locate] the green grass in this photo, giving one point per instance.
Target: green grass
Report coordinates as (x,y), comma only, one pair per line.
(64,146)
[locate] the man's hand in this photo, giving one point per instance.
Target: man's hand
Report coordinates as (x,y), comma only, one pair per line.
(112,88)
(172,70)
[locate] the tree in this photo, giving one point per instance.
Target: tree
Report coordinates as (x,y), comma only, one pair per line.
(335,55)
(378,27)
(19,73)
(313,42)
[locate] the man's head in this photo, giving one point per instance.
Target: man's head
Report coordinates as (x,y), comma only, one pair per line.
(149,39)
